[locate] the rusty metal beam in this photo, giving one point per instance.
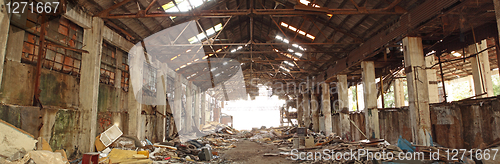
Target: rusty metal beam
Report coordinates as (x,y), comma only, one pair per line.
(41,56)
(228,13)
(68,48)
(105,12)
(242,44)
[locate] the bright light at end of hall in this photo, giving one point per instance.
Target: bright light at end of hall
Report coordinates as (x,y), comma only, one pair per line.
(456,54)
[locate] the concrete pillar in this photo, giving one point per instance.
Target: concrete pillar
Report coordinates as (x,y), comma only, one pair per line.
(177,111)
(418,90)
(432,78)
(134,107)
(481,71)
(300,111)
(370,99)
(327,107)
(203,101)
(89,84)
(197,112)
(314,111)
(162,121)
(343,90)
(4,35)
(307,109)
(399,93)
(189,107)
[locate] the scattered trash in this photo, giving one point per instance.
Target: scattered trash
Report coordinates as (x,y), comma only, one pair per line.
(14,140)
(46,157)
(107,137)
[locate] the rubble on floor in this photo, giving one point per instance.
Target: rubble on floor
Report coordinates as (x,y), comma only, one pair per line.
(20,147)
(289,143)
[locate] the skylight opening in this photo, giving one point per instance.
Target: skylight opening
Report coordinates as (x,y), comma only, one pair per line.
(286,69)
(288,63)
(182,5)
(310,36)
(286,54)
(306,2)
(294,29)
(293,45)
(211,31)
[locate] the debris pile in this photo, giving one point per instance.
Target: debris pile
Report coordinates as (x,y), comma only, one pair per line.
(20,147)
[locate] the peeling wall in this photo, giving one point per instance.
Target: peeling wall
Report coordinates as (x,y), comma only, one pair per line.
(58,89)
(464,124)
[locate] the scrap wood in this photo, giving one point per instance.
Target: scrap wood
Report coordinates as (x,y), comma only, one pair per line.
(270,154)
(358,128)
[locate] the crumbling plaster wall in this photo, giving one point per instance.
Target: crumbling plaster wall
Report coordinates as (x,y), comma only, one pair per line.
(463,124)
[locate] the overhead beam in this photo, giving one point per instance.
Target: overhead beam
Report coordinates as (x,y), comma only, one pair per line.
(228,13)
(243,44)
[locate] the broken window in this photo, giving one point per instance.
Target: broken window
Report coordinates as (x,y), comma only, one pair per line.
(108,64)
(125,72)
(61,32)
(170,88)
(149,80)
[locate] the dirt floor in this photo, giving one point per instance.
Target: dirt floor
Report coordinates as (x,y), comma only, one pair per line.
(251,152)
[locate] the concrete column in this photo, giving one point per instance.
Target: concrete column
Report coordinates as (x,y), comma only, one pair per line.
(399,93)
(89,84)
(162,121)
(134,107)
(4,35)
(300,111)
(307,112)
(314,111)
(370,99)
(203,101)
(327,107)
(177,111)
(343,90)
(432,78)
(189,107)
(197,113)
(418,90)
(481,71)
